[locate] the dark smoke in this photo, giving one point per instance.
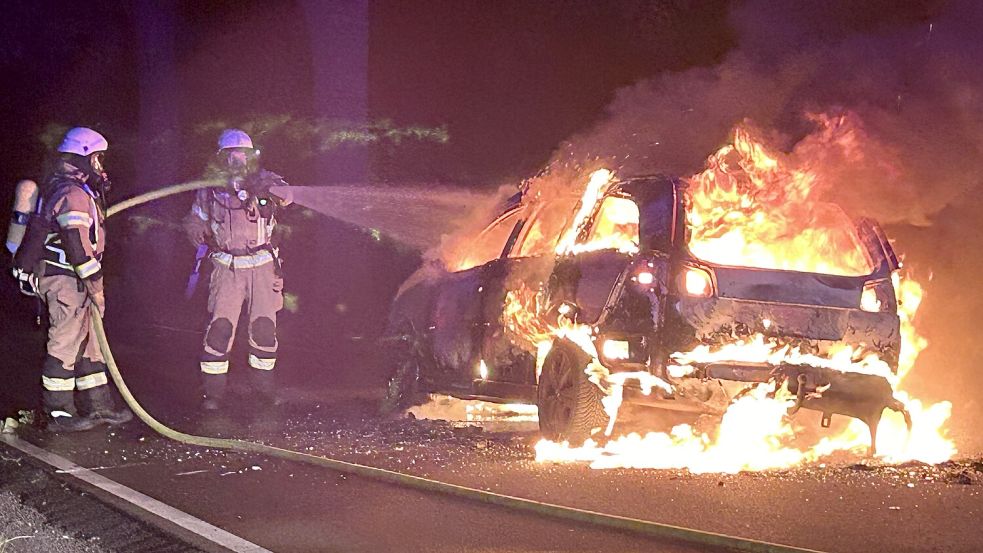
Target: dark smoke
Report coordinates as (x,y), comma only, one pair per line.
(914,89)
(903,83)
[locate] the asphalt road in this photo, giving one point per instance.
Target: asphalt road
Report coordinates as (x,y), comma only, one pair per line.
(842,506)
(284,506)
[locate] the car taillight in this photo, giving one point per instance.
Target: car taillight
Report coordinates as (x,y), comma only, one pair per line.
(616,350)
(697,282)
(869,300)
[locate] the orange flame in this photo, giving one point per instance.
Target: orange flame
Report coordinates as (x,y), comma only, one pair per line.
(751,436)
(615,227)
(749,208)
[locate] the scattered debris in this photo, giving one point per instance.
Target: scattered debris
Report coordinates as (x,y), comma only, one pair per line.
(25,417)
(964,477)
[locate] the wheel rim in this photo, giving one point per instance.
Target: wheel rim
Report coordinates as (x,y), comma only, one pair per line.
(559,398)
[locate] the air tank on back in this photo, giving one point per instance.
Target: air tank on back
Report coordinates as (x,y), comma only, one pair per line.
(25,201)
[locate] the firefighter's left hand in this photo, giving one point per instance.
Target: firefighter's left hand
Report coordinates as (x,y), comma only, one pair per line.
(94,288)
(282,194)
(280,191)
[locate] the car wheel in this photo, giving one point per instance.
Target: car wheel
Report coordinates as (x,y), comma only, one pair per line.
(569,404)
(404,356)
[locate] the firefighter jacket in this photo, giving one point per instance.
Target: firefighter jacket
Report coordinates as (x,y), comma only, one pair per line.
(76,234)
(239,233)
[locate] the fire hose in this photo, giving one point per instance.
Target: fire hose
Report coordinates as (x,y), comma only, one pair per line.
(648,528)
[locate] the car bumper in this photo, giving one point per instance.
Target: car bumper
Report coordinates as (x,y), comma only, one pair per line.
(690,322)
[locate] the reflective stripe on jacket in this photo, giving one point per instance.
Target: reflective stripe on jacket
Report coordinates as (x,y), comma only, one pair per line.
(76,239)
(250,261)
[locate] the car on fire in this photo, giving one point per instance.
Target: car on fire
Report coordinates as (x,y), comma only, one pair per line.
(462,332)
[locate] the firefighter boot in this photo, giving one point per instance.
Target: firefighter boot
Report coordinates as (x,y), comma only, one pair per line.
(102,409)
(60,415)
(264,384)
(63,422)
(213,386)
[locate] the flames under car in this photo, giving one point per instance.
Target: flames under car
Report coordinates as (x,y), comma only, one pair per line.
(495,328)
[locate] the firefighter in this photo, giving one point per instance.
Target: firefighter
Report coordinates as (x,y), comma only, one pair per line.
(64,264)
(233,227)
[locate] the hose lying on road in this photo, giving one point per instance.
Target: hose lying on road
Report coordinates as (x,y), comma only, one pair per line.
(644,527)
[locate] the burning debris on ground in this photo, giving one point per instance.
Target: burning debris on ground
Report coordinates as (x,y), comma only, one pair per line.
(434,446)
(353,432)
(494,446)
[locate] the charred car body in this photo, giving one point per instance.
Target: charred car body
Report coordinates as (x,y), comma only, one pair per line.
(642,304)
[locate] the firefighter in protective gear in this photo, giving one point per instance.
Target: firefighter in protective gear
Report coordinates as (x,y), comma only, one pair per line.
(236,225)
(75,393)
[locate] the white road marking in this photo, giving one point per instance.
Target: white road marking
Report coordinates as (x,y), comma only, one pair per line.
(211,533)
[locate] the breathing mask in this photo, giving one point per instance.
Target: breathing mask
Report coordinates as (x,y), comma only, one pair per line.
(239,162)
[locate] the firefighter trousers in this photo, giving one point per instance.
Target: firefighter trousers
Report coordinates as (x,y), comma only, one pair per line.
(73,361)
(231,286)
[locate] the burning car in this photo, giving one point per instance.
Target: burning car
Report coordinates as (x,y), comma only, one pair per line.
(640,289)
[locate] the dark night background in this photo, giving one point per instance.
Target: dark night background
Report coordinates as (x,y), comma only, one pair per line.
(497,90)
(505,82)
(508,80)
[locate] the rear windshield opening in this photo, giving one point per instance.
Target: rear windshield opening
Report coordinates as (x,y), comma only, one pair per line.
(828,244)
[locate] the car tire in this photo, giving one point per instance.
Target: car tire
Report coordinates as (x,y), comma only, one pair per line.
(404,357)
(570,407)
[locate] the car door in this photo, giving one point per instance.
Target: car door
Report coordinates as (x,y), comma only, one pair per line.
(604,251)
(457,318)
(513,299)
(624,259)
